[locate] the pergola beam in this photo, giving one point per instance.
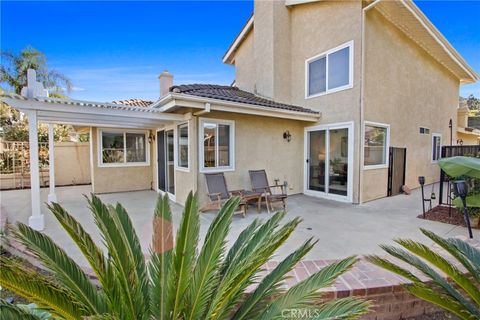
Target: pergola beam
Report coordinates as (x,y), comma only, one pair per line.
(74,110)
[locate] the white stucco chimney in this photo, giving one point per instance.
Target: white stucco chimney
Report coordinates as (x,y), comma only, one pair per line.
(166,81)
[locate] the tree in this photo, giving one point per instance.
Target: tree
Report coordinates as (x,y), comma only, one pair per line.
(13,71)
(181,280)
(13,74)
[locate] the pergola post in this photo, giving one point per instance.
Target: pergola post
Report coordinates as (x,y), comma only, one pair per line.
(52,197)
(36,220)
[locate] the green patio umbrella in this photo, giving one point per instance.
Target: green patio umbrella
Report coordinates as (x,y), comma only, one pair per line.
(461,166)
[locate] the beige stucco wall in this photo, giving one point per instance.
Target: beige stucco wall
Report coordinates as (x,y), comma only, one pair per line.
(406,88)
(118,179)
(468,139)
(338,22)
(72,167)
(283,38)
(259,144)
(72,163)
(186,181)
(244,57)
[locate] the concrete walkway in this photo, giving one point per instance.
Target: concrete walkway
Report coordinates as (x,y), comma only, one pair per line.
(342,229)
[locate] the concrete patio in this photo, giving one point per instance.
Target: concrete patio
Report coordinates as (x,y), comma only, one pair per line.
(342,229)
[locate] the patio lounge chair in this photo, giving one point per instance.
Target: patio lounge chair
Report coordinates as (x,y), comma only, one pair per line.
(218,193)
(259,181)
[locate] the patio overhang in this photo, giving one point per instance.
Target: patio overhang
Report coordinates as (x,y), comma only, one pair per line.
(88,113)
(39,108)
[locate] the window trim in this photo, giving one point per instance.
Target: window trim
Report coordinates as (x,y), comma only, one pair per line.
(201,150)
(177,147)
(387,146)
(431,147)
(124,163)
(349,44)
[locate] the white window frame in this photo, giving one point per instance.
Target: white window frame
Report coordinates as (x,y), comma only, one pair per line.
(124,163)
(201,152)
(387,146)
(348,44)
(177,147)
(431,147)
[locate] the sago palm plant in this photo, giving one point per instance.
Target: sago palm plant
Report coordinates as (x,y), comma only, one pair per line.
(459,293)
(180,280)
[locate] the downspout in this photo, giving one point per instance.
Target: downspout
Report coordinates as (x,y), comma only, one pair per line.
(362,103)
(205,110)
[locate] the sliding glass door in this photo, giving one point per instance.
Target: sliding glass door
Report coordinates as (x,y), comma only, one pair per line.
(165,161)
(328,161)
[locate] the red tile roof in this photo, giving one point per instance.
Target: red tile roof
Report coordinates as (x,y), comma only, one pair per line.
(234,94)
(134,102)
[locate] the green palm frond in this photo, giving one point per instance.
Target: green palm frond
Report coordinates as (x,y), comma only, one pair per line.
(161,259)
(138,274)
(233,284)
(431,273)
(301,294)
(269,286)
(347,308)
(205,274)
(445,266)
(463,301)
(121,258)
(93,254)
(444,301)
(244,237)
(470,253)
(176,283)
(460,250)
(11,311)
(39,289)
(85,243)
(67,272)
(184,253)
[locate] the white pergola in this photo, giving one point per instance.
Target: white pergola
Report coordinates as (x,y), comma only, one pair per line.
(38,107)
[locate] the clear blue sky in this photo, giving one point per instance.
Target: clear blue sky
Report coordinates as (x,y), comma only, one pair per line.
(115,50)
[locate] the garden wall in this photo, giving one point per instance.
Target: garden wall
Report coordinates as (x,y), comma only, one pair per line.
(72,167)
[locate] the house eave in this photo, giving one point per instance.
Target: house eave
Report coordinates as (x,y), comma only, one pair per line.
(229,56)
(174,101)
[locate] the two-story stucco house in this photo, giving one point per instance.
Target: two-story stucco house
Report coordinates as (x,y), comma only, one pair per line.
(347,100)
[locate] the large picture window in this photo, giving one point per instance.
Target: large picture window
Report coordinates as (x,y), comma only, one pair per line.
(436,146)
(330,71)
(216,145)
(182,146)
(376,145)
(117,148)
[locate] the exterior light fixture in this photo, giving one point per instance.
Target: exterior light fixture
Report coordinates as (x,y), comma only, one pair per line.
(151,138)
(421,181)
(461,190)
(287,136)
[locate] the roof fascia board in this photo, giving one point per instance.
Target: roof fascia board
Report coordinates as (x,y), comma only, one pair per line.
(439,38)
(228,56)
(295,2)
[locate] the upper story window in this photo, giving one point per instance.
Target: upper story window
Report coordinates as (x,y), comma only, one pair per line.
(330,71)
(217,145)
(436,146)
(123,148)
